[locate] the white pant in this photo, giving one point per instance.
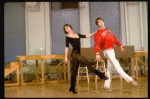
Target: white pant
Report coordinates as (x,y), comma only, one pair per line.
(112,61)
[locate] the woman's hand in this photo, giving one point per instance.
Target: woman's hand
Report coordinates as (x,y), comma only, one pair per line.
(66,52)
(89,35)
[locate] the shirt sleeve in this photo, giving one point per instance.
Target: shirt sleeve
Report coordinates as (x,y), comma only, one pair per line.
(97,41)
(67,42)
(116,41)
(81,36)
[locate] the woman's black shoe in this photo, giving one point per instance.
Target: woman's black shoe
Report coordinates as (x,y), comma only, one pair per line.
(100,74)
(73,90)
(106,78)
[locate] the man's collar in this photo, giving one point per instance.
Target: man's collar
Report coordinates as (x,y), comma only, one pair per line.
(101,28)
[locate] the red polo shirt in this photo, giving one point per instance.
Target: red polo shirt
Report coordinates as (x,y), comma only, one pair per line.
(103,40)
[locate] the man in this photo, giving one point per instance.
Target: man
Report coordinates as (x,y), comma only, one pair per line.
(105,39)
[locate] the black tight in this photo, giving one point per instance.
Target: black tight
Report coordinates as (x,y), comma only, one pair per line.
(78,58)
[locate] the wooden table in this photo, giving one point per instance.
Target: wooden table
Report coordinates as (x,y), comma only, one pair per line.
(41,57)
(140,53)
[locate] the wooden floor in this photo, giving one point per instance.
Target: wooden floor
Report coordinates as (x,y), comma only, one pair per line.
(58,90)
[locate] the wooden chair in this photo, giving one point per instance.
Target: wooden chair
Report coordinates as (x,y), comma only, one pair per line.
(82,70)
(101,66)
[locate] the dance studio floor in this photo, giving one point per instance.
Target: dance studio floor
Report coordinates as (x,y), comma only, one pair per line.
(61,90)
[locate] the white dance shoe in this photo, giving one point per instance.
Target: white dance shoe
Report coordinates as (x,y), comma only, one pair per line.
(134,83)
(108,89)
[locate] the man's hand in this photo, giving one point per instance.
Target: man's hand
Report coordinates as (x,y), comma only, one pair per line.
(66,60)
(122,50)
(98,57)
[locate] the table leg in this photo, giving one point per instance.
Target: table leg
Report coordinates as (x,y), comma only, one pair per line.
(132,67)
(15,76)
(36,70)
(18,75)
(57,71)
(42,71)
(136,67)
(21,65)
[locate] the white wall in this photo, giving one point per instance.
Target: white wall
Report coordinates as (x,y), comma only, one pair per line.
(134,25)
(38,30)
(144,24)
(84,23)
(123,23)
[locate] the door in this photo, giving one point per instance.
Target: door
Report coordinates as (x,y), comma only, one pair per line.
(59,19)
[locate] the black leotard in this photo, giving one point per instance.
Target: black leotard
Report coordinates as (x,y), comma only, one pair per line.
(75,54)
(75,42)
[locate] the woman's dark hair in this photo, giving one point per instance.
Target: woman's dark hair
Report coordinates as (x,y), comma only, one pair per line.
(67,25)
(96,21)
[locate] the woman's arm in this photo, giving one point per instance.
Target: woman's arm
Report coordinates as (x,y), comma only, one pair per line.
(66,53)
(89,35)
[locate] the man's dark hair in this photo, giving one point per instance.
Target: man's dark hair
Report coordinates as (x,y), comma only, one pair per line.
(96,21)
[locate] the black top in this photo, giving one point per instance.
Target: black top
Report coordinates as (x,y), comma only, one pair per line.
(75,42)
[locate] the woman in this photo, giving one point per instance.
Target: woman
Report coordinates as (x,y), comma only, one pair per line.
(74,40)
(105,40)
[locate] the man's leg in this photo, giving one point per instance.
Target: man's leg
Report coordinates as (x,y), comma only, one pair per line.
(112,58)
(108,74)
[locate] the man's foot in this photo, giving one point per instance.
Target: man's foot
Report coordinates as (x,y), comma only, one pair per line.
(134,83)
(108,89)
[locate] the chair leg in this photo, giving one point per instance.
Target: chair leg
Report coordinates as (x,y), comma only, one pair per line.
(87,74)
(95,78)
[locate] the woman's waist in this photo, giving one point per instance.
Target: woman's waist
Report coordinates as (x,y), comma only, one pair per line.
(76,51)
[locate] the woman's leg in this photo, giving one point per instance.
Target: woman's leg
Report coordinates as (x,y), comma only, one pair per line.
(74,69)
(82,60)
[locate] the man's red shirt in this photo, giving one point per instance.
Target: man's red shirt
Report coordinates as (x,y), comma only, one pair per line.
(103,40)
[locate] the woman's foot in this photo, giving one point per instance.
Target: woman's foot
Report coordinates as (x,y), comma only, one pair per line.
(106,78)
(73,90)
(100,74)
